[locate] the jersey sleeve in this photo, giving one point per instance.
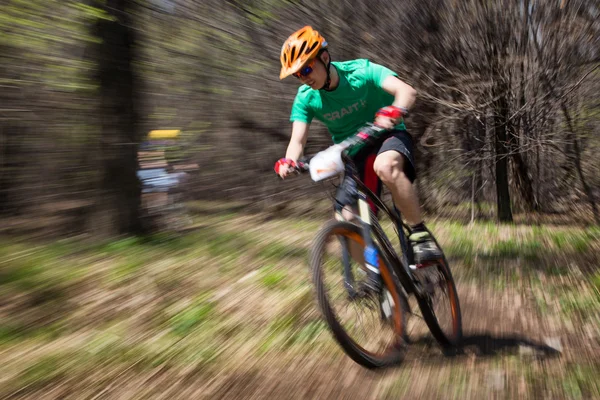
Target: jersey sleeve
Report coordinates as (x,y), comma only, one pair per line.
(376,73)
(301,110)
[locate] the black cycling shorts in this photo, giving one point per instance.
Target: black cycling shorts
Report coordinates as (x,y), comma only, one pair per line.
(400,141)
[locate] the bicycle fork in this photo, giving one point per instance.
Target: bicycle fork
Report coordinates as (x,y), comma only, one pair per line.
(370,252)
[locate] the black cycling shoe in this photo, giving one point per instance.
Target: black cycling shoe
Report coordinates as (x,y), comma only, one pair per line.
(424,248)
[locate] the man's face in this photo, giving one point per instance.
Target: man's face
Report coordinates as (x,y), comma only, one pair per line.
(317,77)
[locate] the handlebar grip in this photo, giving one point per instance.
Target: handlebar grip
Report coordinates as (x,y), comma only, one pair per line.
(302,166)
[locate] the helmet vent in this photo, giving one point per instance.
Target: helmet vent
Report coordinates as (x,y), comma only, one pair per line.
(311,48)
(302,47)
(293,55)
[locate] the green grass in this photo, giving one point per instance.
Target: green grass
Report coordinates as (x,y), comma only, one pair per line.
(148,303)
(280,251)
(288,331)
(509,249)
(273,278)
(34,267)
(583,304)
(578,241)
(596,282)
(399,388)
(46,370)
(184,347)
(121,246)
(459,382)
(228,244)
(306,225)
(581,382)
(127,268)
(461,248)
(308,334)
(278,333)
(192,316)
(530,249)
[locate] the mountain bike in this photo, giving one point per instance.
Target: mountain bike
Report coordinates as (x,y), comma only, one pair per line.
(376,237)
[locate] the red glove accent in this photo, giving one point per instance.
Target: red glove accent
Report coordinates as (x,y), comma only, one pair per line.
(363,135)
(284,161)
(392,112)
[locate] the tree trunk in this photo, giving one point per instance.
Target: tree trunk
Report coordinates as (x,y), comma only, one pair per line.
(119,198)
(524,182)
(501,159)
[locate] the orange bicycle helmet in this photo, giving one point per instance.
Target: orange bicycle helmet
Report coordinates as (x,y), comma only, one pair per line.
(298,49)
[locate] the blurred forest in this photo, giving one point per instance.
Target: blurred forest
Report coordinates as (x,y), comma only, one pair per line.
(507,118)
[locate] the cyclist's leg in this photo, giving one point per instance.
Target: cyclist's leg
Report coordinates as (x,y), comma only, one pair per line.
(395,167)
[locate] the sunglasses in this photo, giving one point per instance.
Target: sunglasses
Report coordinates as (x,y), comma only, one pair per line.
(306,70)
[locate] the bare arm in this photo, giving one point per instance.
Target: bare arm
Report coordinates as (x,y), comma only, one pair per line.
(295,147)
(404,94)
(404,97)
(298,140)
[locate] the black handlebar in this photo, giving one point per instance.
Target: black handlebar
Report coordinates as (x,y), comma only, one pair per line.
(367,135)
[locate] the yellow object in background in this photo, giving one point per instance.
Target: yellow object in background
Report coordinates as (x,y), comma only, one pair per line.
(164,134)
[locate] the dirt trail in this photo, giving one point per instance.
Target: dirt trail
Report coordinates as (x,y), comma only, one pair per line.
(531,329)
(505,340)
(517,344)
(505,357)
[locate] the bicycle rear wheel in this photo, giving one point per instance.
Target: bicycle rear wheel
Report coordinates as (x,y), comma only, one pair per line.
(438,298)
(439,303)
(368,326)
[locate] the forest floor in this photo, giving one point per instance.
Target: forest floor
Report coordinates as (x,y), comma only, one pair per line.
(227,310)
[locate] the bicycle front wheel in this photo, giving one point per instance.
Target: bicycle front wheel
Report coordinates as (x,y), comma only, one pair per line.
(368,325)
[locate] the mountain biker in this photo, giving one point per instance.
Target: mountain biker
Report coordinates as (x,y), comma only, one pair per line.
(345,96)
